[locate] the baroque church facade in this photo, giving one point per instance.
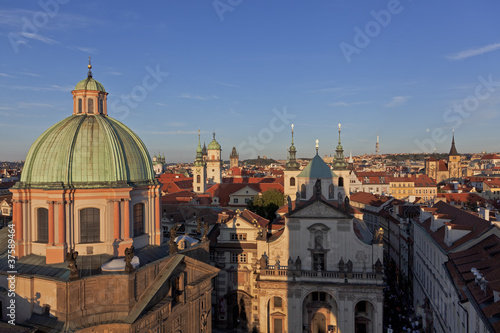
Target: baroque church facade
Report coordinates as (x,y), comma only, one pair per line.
(315,268)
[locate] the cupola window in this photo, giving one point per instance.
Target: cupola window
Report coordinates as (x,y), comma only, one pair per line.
(80,104)
(90,105)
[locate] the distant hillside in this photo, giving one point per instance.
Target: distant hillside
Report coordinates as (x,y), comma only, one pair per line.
(262,161)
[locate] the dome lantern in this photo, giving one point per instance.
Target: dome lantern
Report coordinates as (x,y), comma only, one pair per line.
(89,96)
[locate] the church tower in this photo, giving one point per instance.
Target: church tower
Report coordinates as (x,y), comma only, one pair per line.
(214,162)
(454,160)
(233,158)
(199,170)
(340,167)
(292,169)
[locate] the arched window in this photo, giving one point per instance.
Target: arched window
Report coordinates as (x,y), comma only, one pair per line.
(42,219)
(341,181)
(292,181)
(138,219)
(331,192)
(80,105)
(303,191)
(198,179)
(90,225)
(90,108)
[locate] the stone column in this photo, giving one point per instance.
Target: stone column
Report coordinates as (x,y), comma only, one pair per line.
(126,218)
(17,220)
(158,232)
(55,252)
(61,224)
(51,222)
(116,215)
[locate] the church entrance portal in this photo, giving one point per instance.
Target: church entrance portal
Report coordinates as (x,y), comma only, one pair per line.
(318,324)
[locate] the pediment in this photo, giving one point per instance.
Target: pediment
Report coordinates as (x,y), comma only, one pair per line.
(319,209)
(247,190)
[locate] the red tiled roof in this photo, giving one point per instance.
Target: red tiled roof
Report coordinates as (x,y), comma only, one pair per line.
(459,217)
(442,165)
(222,191)
(490,157)
(461,198)
(251,216)
(483,256)
(369,199)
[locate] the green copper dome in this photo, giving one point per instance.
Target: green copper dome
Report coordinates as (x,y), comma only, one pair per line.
(90,84)
(317,168)
(87,151)
(214,145)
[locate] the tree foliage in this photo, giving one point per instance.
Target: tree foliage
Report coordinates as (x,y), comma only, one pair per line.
(267,204)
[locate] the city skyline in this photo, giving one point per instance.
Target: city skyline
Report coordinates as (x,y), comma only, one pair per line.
(412,70)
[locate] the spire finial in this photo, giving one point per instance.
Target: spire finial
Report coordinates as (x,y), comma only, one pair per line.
(339,133)
(214,135)
(199,139)
(292,134)
(90,67)
(317,146)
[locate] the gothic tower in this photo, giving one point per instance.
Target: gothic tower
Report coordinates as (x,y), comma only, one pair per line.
(454,160)
(233,158)
(199,170)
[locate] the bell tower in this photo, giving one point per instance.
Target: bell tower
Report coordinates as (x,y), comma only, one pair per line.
(199,170)
(454,160)
(292,169)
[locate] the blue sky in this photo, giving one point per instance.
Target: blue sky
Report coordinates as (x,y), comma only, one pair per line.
(413,70)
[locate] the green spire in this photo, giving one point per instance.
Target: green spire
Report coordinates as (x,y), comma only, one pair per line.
(339,160)
(199,153)
(292,162)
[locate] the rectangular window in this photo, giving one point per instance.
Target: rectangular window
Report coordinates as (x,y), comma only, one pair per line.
(238,236)
(90,225)
(43,225)
(79,105)
(100,106)
(90,106)
(319,296)
(138,219)
(278,302)
(235,200)
(241,257)
(247,200)
(278,325)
